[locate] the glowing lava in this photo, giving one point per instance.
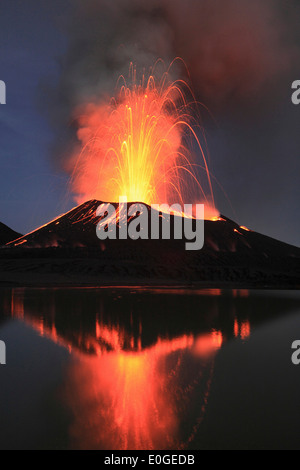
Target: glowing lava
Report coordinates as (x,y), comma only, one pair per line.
(138,146)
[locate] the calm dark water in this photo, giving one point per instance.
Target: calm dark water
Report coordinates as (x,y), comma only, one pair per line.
(137,369)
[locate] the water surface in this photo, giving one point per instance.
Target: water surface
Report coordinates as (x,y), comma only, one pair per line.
(149,369)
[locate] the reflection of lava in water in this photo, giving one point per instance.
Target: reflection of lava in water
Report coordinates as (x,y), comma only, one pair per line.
(137,399)
(124,396)
(137,146)
(242,329)
(128,387)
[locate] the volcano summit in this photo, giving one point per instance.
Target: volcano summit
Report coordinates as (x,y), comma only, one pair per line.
(67,251)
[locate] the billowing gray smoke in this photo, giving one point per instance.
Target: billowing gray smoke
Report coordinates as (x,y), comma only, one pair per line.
(240,55)
(232,48)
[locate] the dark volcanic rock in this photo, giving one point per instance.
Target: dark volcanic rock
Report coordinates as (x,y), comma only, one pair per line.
(67,251)
(7,234)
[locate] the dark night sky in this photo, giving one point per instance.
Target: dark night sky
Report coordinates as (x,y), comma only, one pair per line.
(32,191)
(254,147)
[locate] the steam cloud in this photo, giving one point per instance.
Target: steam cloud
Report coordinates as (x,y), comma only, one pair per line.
(239,54)
(232,49)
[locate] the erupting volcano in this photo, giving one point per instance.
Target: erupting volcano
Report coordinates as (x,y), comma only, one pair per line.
(67,252)
(144,145)
(140,146)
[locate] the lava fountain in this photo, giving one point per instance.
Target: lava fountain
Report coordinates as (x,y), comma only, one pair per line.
(139,145)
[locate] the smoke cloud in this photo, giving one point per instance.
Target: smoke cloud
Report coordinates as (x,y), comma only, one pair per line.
(236,51)
(239,53)
(232,49)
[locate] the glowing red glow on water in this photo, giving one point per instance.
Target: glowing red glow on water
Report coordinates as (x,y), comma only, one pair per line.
(130,398)
(123,394)
(242,329)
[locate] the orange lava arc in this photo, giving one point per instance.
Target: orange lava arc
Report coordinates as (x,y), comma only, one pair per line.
(139,145)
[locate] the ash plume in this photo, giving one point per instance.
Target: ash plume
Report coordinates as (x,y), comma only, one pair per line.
(232,49)
(240,55)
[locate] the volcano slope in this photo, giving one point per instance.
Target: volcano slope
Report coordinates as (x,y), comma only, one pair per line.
(68,252)
(7,234)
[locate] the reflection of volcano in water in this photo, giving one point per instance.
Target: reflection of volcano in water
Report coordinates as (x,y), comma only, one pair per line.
(128,388)
(141,372)
(67,251)
(137,400)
